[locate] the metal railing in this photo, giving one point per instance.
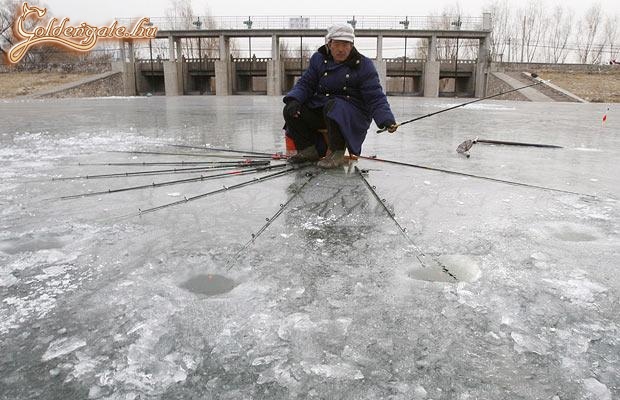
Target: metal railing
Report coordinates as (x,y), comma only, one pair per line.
(298,22)
(396,60)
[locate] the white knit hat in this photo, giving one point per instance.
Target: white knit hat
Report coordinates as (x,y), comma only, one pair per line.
(340,32)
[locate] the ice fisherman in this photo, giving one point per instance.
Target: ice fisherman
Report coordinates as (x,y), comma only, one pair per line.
(340,91)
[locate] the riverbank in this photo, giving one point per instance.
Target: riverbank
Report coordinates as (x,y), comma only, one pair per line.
(18,84)
(597,87)
(593,87)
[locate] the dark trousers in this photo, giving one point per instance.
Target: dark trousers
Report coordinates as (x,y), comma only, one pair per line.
(304,129)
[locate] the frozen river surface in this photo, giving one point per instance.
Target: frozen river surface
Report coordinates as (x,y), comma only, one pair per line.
(515,297)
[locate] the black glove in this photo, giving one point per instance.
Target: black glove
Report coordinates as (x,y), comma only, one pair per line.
(292,109)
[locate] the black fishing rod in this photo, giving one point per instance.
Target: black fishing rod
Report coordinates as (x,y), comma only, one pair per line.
(164,171)
(270,220)
(224,189)
(276,156)
(447,171)
(464,147)
(508,143)
(176,182)
(161,153)
(419,254)
(464,104)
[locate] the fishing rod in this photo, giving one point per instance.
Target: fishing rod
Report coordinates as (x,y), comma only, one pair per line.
(464,104)
(473,176)
(276,156)
(464,147)
(164,171)
(508,143)
(161,153)
(176,182)
(224,189)
(270,220)
(419,254)
(144,164)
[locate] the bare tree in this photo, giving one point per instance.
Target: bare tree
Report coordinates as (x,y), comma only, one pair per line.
(450,18)
(561,26)
(42,55)
(288,50)
(8,10)
(210,48)
(589,28)
(611,36)
(531,18)
(181,15)
(501,32)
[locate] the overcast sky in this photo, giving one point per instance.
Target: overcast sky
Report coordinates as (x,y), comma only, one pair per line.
(104,11)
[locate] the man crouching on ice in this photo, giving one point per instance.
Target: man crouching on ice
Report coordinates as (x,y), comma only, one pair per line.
(340,91)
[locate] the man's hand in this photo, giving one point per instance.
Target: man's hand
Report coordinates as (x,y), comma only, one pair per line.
(293,109)
(390,126)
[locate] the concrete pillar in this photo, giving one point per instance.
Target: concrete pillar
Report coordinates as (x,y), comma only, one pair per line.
(223,69)
(481,67)
(186,78)
(381,65)
(132,55)
(172,78)
(123,55)
(274,78)
(431,70)
(224,48)
(487,23)
(128,73)
(274,69)
(179,50)
(171,48)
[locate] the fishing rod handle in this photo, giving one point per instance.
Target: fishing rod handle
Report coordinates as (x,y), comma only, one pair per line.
(386,128)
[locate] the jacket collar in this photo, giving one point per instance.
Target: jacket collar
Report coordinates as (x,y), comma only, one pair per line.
(353,61)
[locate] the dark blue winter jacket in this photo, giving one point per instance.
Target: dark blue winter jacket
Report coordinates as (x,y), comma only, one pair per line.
(355,86)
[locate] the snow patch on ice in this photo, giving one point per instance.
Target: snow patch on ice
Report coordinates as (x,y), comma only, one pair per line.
(298,322)
(339,371)
(61,347)
(52,271)
(595,390)
(7,280)
(527,343)
(317,222)
(579,290)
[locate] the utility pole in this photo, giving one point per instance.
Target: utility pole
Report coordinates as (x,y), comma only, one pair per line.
(249,25)
(457,24)
(509,60)
(152,80)
(523,39)
(405,24)
(198,24)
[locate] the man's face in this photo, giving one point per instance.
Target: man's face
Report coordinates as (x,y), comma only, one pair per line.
(340,49)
